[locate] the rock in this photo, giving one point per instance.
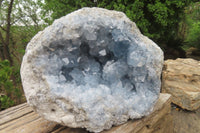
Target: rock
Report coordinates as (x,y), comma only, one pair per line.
(92,69)
(181,78)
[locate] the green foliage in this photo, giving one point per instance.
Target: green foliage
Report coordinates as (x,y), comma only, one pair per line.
(193,37)
(5,84)
(59,8)
(5,75)
(5,102)
(20,36)
(10,94)
(192,20)
(158,19)
(23,24)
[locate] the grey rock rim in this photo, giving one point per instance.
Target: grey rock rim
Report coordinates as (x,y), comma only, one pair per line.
(92,69)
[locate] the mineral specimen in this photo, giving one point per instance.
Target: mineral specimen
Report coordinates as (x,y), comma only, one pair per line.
(92,69)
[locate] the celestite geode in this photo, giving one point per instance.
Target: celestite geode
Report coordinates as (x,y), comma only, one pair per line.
(92,69)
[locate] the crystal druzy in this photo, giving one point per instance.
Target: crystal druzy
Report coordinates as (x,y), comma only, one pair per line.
(92,69)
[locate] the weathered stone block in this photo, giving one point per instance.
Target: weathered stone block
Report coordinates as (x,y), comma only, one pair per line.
(181,78)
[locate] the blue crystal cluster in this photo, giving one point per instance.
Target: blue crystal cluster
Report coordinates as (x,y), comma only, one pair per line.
(101,66)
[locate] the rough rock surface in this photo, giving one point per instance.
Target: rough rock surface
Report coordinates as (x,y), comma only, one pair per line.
(92,69)
(181,78)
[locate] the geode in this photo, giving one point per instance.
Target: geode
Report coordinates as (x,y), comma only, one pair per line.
(92,69)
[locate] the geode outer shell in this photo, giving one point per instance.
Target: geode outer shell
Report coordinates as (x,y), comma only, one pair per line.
(92,69)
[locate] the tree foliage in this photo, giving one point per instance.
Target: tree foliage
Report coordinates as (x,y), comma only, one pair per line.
(158,19)
(19,22)
(16,13)
(9,93)
(6,22)
(192,20)
(53,9)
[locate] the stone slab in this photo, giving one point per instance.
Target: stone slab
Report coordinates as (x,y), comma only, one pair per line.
(181,79)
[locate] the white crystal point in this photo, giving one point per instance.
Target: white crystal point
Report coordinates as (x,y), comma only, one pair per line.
(92,68)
